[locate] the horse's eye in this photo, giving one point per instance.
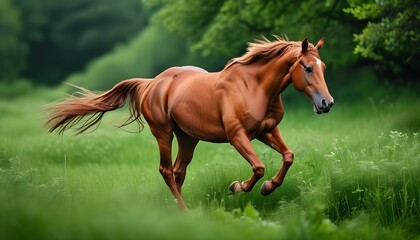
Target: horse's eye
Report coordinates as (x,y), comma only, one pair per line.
(308,69)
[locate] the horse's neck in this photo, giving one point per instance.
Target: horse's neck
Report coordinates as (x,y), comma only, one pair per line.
(272,76)
(275,75)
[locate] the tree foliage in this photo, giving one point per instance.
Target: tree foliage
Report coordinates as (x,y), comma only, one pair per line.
(146,55)
(383,31)
(227,25)
(63,36)
(12,49)
(390,34)
(47,40)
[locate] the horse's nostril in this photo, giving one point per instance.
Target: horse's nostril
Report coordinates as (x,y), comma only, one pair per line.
(324,103)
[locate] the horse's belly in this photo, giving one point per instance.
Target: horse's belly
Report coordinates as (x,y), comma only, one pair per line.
(199,118)
(200,125)
(208,134)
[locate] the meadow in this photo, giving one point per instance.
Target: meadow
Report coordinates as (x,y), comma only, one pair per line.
(355,176)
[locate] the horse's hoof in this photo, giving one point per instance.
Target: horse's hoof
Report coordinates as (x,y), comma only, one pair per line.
(266,188)
(235,187)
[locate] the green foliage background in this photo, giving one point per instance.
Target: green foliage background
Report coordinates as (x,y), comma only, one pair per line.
(46,41)
(146,55)
(12,49)
(356,170)
(61,37)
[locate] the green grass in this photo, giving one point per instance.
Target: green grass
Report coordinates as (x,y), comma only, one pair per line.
(355,176)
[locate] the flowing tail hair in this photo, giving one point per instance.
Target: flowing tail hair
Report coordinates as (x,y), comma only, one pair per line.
(72,111)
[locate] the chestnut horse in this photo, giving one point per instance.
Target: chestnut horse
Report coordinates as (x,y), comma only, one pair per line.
(236,105)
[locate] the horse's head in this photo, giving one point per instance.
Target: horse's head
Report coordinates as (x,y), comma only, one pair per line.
(308,77)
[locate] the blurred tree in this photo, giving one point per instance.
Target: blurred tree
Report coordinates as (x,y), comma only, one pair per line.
(64,36)
(145,56)
(12,49)
(226,25)
(390,33)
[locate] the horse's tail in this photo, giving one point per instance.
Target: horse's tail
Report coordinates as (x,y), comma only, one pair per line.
(71,111)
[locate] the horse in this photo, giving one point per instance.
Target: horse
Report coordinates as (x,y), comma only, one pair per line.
(240,103)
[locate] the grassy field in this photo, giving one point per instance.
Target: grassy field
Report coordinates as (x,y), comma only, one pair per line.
(355,176)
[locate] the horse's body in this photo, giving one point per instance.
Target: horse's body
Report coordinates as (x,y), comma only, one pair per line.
(183,92)
(236,105)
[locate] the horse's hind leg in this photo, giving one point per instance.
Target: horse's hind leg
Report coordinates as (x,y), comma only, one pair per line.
(164,138)
(186,146)
(275,141)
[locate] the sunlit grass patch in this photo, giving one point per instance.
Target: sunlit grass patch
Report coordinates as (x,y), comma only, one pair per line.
(381,179)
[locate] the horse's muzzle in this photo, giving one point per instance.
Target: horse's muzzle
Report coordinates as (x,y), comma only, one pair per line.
(322,105)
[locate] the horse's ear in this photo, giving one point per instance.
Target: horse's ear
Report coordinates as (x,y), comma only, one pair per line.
(320,43)
(305,44)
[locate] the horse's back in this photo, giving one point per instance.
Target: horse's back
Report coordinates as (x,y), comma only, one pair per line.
(175,71)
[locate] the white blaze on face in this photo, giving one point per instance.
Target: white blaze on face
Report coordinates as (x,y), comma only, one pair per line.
(318,62)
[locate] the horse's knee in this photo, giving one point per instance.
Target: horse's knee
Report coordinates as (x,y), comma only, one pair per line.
(288,158)
(258,171)
(165,172)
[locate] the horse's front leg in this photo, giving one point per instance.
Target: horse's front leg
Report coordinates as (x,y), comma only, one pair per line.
(243,145)
(275,140)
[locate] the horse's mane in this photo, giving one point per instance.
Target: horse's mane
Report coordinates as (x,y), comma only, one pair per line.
(263,48)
